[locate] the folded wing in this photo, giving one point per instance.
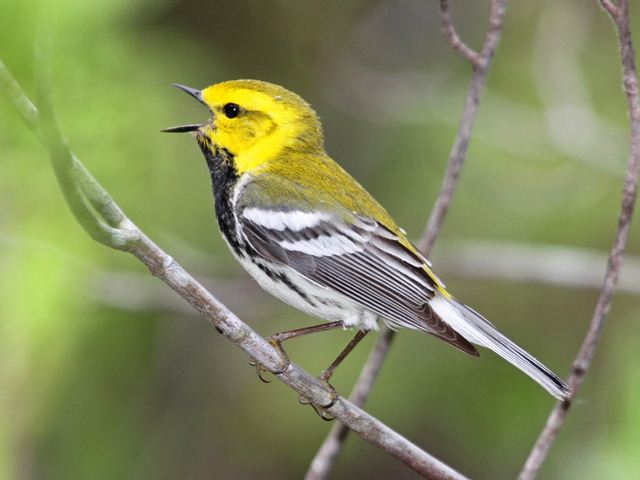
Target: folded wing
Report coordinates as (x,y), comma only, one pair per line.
(355,256)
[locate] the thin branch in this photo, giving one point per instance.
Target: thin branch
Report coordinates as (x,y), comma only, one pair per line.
(100,216)
(461,143)
(620,15)
(326,456)
(611,8)
(21,102)
(83,193)
(450,34)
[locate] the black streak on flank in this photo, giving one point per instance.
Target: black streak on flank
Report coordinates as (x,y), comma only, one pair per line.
(281,277)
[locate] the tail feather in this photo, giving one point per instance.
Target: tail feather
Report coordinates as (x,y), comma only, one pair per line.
(475,328)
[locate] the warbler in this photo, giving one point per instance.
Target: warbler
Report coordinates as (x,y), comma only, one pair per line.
(313,237)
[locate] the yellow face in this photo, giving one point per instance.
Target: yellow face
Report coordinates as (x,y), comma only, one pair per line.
(255,121)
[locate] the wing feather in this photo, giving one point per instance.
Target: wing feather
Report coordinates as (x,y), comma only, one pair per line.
(362,260)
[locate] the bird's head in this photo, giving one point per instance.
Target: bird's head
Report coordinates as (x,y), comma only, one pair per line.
(254,122)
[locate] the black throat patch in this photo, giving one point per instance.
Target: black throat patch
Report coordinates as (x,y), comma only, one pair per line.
(223,178)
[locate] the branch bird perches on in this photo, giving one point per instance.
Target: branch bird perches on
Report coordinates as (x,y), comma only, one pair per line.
(101,217)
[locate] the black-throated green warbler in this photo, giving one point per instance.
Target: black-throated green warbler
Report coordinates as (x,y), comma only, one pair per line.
(312,236)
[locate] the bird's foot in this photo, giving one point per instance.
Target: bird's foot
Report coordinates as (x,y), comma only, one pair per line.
(322,410)
(261,370)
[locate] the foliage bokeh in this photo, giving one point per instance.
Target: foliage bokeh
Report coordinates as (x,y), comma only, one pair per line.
(104,374)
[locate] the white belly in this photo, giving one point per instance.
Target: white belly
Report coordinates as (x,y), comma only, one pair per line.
(320,301)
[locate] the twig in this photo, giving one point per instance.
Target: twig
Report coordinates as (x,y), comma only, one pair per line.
(461,143)
(325,457)
(620,15)
(611,8)
(450,34)
(101,217)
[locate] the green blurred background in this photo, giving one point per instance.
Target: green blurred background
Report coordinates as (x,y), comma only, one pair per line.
(105,373)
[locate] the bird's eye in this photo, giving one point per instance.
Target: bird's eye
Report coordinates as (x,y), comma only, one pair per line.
(231,110)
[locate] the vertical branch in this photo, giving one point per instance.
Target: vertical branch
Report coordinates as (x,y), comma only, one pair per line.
(326,456)
(451,36)
(619,13)
(481,66)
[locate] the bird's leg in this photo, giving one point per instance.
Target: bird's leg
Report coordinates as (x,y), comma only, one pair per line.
(329,371)
(321,410)
(278,338)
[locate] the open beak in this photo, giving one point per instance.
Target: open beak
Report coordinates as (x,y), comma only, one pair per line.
(195,93)
(182,128)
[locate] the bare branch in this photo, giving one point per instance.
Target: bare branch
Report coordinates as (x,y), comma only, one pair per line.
(451,36)
(21,102)
(86,191)
(461,143)
(323,461)
(104,220)
(620,15)
(610,7)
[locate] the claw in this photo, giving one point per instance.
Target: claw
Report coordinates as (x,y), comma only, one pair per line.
(261,370)
(277,344)
(321,410)
(324,415)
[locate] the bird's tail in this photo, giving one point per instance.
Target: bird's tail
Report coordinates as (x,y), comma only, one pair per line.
(475,328)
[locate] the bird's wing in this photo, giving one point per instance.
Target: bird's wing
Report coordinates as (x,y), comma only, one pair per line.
(353,255)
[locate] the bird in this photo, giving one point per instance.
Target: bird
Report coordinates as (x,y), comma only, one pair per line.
(313,237)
